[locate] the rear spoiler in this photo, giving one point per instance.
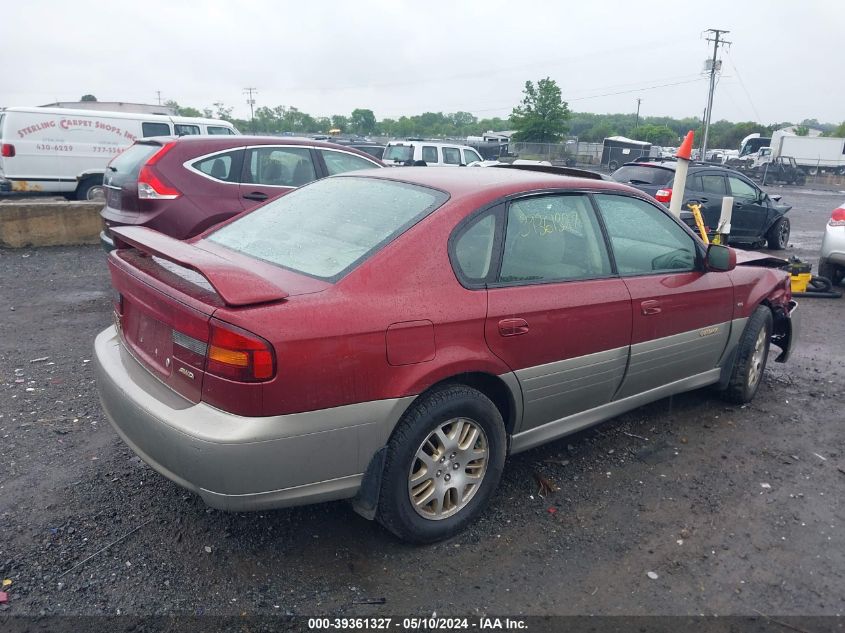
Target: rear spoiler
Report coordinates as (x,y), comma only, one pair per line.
(236,285)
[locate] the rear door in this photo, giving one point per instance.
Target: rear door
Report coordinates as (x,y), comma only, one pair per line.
(708,188)
(750,212)
(557,314)
(272,170)
(681,314)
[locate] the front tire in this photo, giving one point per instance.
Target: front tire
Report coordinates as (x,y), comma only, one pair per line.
(751,356)
(778,235)
(443,464)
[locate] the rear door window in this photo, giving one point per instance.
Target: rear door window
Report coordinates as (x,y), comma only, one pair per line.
(451,156)
(340,162)
(429,154)
(741,189)
(155,129)
(216,130)
(553,238)
(223,167)
(279,166)
(328,228)
(473,249)
(714,184)
(183,129)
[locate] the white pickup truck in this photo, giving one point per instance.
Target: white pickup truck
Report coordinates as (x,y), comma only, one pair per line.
(64,151)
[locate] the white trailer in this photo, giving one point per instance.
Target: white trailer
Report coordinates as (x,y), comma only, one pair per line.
(64,151)
(811,153)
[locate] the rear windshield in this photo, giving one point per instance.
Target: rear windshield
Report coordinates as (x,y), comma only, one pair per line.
(640,175)
(399,152)
(130,161)
(330,226)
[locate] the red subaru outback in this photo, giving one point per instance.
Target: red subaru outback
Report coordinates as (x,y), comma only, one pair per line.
(182,186)
(391,337)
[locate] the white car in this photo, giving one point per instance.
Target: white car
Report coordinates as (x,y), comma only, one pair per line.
(433,154)
(832,258)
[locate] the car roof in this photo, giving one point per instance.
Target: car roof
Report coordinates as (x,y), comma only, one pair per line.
(489,183)
(672,165)
(430,143)
(232,140)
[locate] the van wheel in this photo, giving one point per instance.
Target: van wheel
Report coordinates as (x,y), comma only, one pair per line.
(751,355)
(613,165)
(91,188)
(443,464)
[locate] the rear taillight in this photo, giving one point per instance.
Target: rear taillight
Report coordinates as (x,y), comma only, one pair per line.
(837,218)
(663,195)
(7,150)
(152,186)
(236,354)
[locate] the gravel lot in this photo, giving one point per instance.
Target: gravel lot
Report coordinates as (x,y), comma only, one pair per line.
(736,510)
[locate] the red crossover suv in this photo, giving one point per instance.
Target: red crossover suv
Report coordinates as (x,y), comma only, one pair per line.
(391,336)
(182,186)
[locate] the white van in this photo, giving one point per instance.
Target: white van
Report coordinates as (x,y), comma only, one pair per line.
(432,154)
(63,151)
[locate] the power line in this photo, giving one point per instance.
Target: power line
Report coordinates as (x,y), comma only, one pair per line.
(744,89)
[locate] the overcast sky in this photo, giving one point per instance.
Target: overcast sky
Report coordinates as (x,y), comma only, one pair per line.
(397,57)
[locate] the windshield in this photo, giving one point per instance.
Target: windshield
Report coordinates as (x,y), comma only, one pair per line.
(640,175)
(399,153)
(329,227)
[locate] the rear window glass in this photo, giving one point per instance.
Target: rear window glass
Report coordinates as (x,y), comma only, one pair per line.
(329,227)
(640,175)
(131,160)
(155,129)
(399,152)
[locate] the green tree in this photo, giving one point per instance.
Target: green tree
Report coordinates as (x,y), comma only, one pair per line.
(186,111)
(656,134)
(838,131)
(542,115)
(222,112)
(340,122)
(362,121)
(88,98)
(802,130)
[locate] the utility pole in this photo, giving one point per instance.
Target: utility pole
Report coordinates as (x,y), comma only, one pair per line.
(716,39)
(158,92)
(251,102)
(637,123)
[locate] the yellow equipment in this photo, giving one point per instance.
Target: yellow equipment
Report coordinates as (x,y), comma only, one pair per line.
(699,222)
(800,275)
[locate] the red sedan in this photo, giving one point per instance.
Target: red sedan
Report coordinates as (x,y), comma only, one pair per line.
(391,337)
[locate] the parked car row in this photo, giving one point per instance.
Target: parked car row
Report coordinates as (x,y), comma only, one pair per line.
(391,336)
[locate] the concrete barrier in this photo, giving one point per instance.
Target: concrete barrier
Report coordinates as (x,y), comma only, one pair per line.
(49,223)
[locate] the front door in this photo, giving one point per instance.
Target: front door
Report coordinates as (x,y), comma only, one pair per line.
(681,314)
(557,314)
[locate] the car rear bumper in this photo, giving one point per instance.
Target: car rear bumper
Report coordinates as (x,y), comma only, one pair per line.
(235,462)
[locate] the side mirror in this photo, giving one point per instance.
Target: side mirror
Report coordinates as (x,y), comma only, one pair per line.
(776,198)
(720,258)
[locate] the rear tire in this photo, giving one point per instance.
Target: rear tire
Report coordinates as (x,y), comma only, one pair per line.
(91,189)
(751,355)
(443,464)
(778,235)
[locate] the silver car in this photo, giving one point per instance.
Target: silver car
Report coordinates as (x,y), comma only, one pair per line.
(832,258)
